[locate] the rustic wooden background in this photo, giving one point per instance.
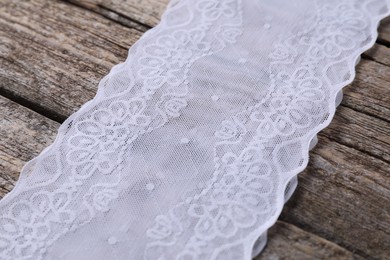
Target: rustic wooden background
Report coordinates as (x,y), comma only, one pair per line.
(53,53)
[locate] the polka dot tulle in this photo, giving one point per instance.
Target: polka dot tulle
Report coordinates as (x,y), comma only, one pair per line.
(192,145)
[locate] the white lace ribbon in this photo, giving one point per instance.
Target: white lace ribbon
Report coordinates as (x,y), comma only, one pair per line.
(192,145)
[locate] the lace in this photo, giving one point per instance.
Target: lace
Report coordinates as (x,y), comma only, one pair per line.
(192,145)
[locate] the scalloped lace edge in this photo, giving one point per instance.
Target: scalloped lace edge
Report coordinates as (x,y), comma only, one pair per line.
(259,239)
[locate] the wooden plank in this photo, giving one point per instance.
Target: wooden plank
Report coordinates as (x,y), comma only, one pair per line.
(145,12)
(53,54)
(379,53)
(56,65)
(23,135)
(286,241)
(369,93)
(148,12)
(369,134)
(344,197)
(344,193)
(384,32)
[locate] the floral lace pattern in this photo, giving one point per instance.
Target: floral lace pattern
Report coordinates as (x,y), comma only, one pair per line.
(245,184)
(257,151)
(95,145)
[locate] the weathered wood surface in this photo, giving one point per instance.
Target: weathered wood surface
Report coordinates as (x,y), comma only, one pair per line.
(23,134)
(53,54)
(286,241)
(56,53)
(143,12)
(28,133)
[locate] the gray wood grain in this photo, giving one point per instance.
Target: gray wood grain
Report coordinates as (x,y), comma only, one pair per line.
(286,241)
(23,135)
(53,54)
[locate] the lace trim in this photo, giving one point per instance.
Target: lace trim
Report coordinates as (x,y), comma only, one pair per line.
(239,200)
(92,140)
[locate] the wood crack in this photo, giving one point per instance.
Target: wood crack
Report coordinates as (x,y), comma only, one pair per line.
(110,14)
(330,137)
(383,42)
(347,105)
(370,58)
(34,106)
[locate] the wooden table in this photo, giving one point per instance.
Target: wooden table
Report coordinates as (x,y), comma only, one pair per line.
(53,54)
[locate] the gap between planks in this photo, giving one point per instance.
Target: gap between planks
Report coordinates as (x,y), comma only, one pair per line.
(359,111)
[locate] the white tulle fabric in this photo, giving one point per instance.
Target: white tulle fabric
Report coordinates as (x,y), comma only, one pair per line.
(192,145)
